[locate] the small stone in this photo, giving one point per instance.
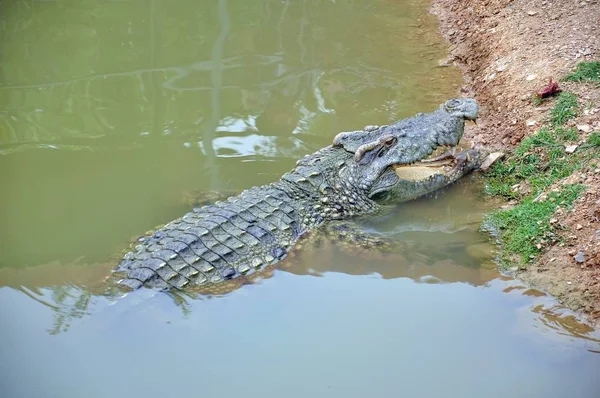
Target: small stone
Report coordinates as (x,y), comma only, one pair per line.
(531,77)
(571,148)
(578,227)
(539,246)
(586,128)
(569,282)
(490,160)
(553,221)
(531,13)
(579,257)
(531,123)
(513,269)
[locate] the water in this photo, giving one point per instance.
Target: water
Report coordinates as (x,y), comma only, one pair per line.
(111,112)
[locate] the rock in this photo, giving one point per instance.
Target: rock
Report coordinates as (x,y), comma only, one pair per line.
(531,77)
(531,123)
(531,13)
(579,257)
(586,128)
(578,227)
(490,160)
(571,148)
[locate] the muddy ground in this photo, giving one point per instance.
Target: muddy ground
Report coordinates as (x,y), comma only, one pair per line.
(508,50)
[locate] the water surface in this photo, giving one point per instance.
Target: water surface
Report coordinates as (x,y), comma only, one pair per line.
(111,112)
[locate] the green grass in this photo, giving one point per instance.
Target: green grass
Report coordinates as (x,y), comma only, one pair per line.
(534,166)
(585,72)
(564,109)
(594,140)
(539,161)
(538,164)
(525,226)
(567,135)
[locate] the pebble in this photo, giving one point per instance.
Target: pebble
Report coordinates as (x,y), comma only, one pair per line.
(531,13)
(531,123)
(531,77)
(586,128)
(490,160)
(578,227)
(579,257)
(571,148)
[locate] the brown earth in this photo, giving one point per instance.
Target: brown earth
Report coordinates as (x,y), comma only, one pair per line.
(508,50)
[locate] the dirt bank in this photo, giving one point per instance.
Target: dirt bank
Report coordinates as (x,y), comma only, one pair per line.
(508,50)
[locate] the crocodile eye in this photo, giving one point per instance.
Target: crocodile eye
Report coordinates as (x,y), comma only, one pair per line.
(390,142)
(453,103)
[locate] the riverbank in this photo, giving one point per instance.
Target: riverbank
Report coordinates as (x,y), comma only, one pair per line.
(549,229)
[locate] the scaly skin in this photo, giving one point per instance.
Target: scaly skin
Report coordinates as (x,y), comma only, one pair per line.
(257,228)
(417,136)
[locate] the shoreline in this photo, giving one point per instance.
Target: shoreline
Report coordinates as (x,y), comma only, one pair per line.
(507,52)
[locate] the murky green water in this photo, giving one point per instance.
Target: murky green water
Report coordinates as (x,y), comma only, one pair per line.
(110,111)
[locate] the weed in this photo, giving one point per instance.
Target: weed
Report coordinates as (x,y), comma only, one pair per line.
(564,109)
(523,227)
(566,134)
(585,72)
(594,140)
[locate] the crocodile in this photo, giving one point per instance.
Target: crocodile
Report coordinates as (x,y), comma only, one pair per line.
(357,175)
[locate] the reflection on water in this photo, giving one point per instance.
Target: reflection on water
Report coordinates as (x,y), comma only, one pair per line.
(110,111)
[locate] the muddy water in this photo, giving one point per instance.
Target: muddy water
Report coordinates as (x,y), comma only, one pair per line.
(111,112)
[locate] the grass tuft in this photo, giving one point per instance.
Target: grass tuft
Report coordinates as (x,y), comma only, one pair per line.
(524,227)
(594,140)
(564,109)
(585,72)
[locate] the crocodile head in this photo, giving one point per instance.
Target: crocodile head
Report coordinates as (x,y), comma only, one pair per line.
(377,152)
(406,182)
(413,139)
